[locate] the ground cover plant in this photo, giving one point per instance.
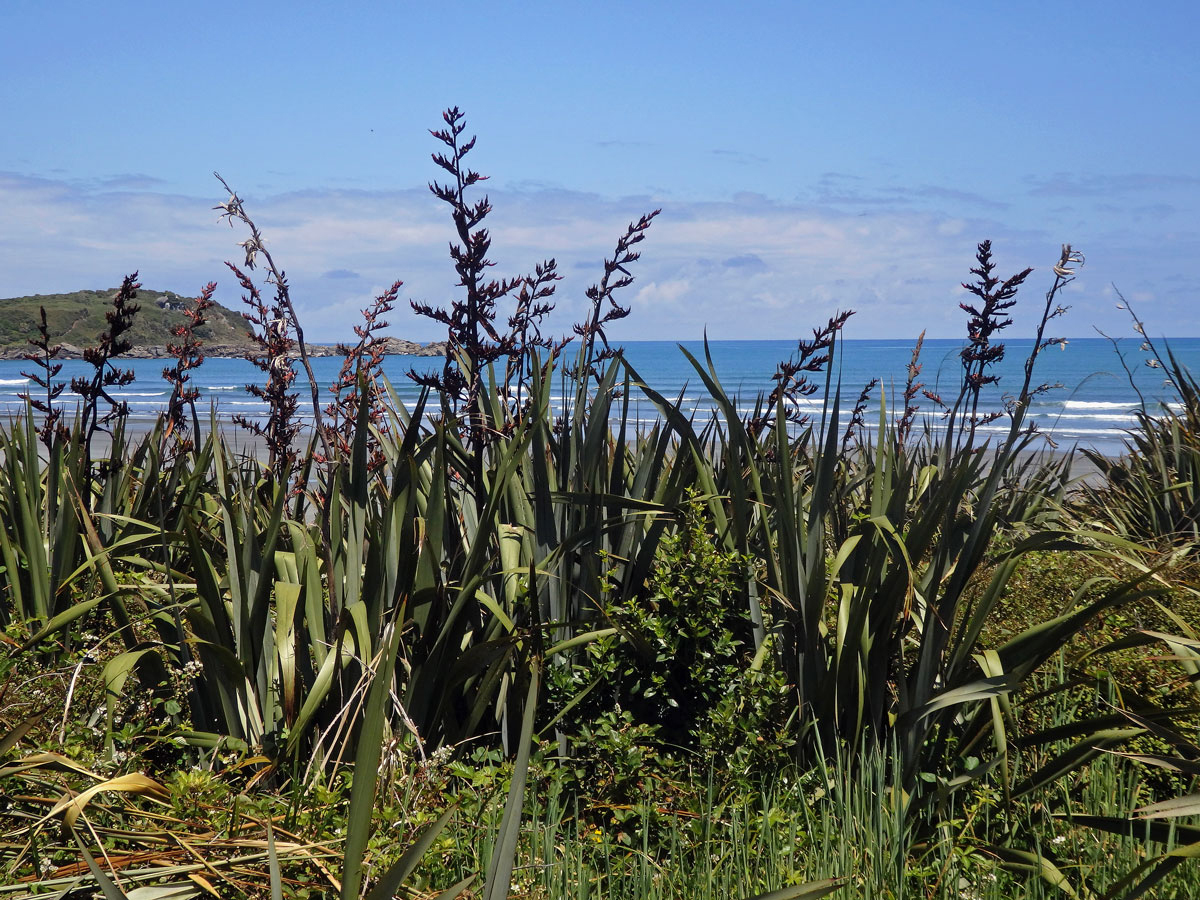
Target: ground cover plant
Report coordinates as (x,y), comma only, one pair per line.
(473,648)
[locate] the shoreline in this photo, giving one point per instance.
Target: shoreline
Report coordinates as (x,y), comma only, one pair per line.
(244,443)
(392,346)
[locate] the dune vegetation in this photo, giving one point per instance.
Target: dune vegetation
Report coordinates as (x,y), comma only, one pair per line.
(472,648)
(78,320)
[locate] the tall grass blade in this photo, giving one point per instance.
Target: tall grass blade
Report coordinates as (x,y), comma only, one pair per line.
(504,853)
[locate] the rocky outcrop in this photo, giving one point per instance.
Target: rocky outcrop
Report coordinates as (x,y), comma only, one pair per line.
(391,347)
(400,347)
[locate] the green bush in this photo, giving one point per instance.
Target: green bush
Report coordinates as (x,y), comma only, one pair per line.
(679,682)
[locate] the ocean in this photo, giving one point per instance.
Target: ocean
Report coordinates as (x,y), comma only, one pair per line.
(1092,406)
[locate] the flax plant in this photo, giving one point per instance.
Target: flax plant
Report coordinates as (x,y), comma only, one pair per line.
(879,630)
(39,532)
(1151,493)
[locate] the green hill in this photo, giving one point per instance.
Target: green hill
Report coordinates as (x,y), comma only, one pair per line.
(77,319)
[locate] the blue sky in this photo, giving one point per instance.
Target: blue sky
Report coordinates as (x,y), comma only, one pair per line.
(807,157)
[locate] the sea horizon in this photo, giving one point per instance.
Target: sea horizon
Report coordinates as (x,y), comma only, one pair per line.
(1093,404)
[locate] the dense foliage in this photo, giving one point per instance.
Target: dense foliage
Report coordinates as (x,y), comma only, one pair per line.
(474,647)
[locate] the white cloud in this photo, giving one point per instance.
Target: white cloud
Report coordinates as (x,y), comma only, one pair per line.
(900,268)
(667,294)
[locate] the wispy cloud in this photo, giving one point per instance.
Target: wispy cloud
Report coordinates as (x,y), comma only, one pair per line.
(129,182)
(618,144)
(839,189)
(747,267)
(1066,184)
(747,262)
(933,192)
(741,157)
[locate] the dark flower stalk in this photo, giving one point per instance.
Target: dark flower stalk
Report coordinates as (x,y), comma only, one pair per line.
(105,375)
(269,330)
(472,339)
(254,246)
(858,414)
(361,367)
(791,376)
(605,308)
(1064,274)
(912,387)
(983,352)
(44,359)
(525,327)
(589,364)
(188,356)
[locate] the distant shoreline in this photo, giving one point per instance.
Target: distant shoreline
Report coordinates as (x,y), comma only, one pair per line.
(242,441)
(392,347)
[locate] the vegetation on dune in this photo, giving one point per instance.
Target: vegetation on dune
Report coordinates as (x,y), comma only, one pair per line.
(471,648)
(78,319)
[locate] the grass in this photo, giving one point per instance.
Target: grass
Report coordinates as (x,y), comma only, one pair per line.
(698,839)
(492,653)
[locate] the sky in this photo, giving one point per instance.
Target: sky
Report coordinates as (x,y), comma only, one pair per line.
(807,157)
